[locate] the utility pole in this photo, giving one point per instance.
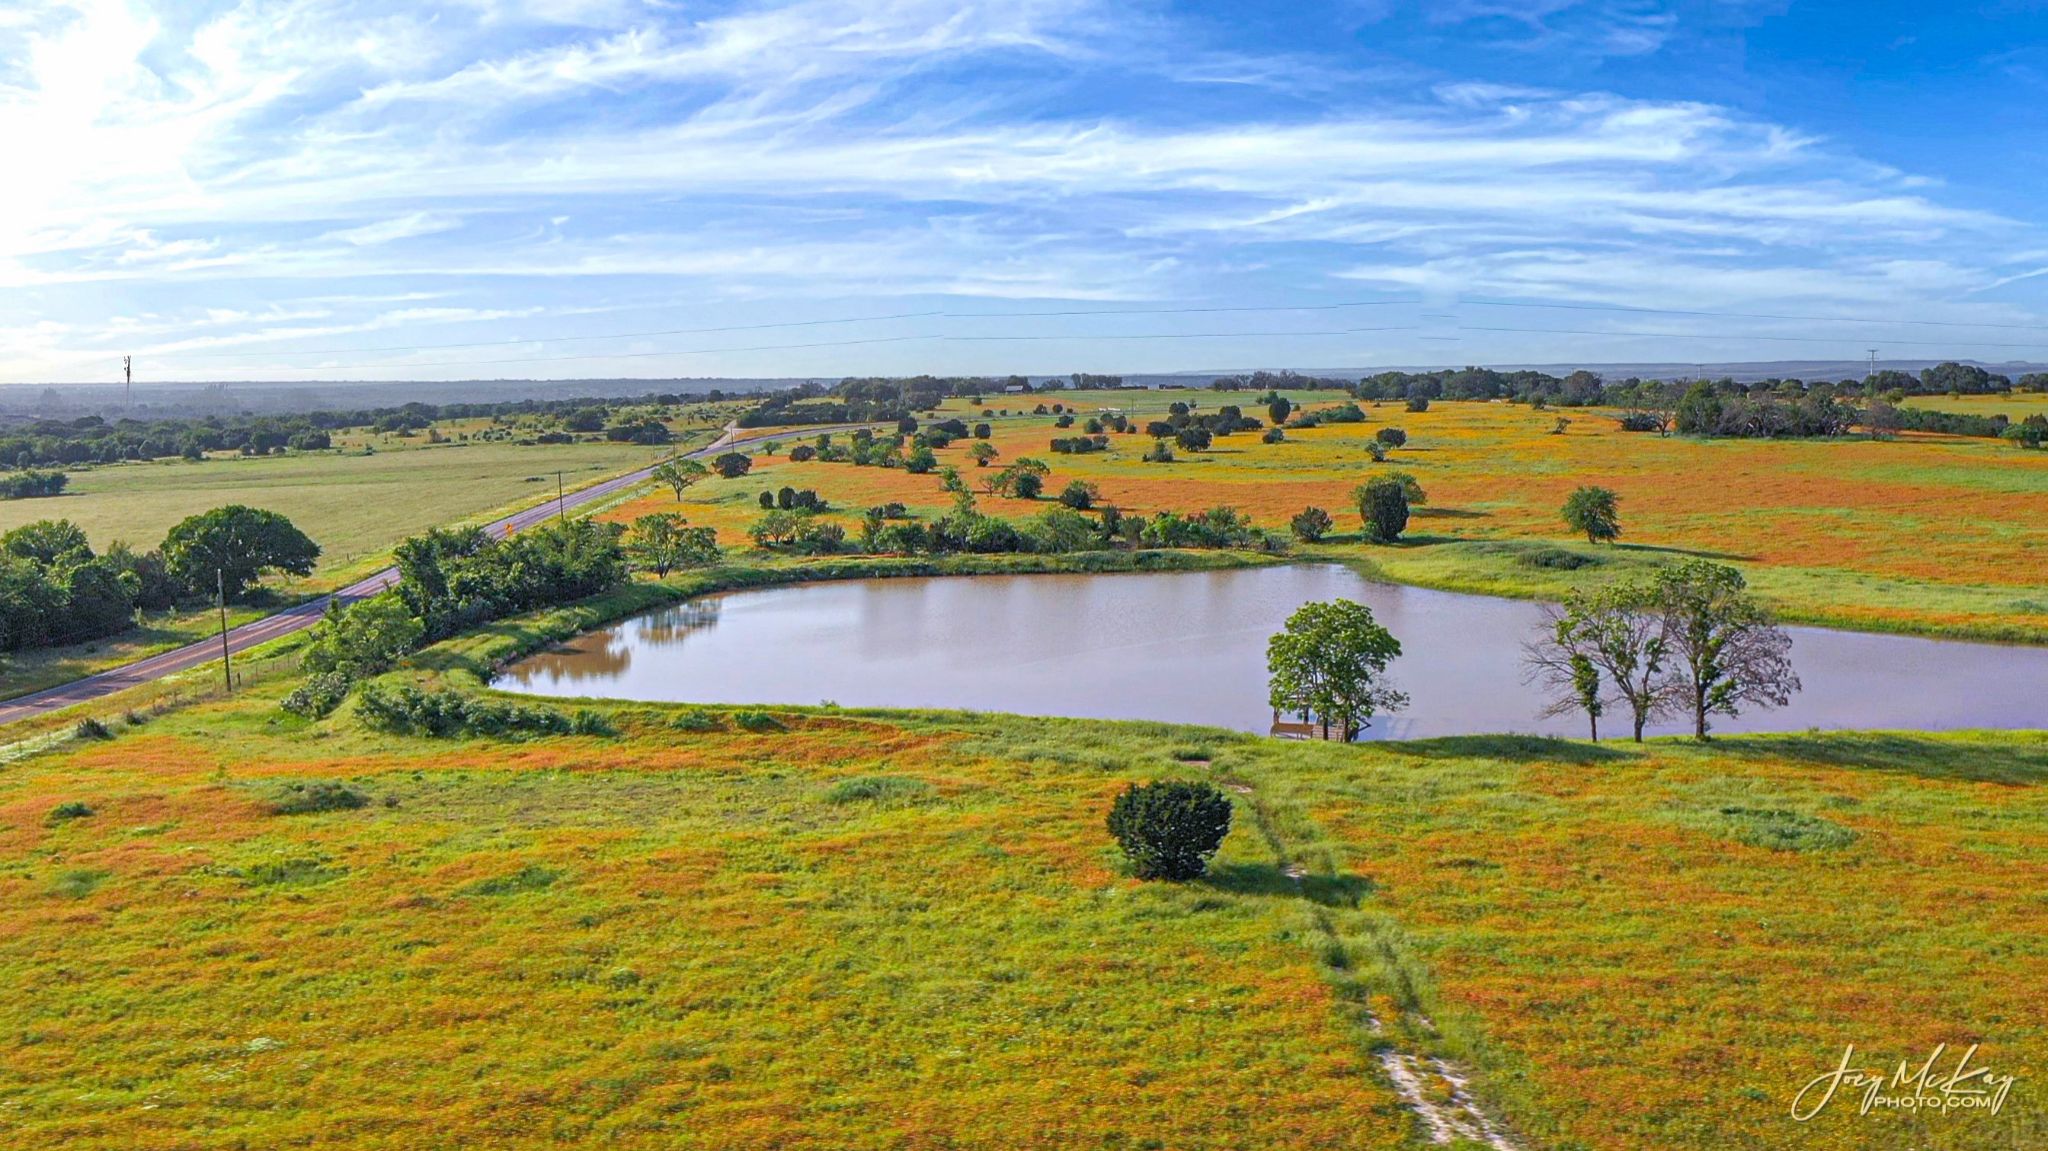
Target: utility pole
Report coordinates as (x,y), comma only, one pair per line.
(561,501)
(1873,361)
(227,671)
(127,382)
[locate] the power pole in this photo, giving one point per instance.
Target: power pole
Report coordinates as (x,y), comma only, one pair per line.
(127,381)
(561,501)
(1873,361)
(227,671)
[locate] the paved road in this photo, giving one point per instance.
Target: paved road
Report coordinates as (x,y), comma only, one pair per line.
(306,614)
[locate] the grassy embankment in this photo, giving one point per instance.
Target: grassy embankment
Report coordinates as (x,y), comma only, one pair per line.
(1927,534)
(355,505)
(883,929)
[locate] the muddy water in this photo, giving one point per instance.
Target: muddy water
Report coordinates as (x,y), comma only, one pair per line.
(1190,647)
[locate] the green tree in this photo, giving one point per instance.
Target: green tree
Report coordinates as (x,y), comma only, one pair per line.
(363,639)
(1279,409)
(732,465)
(1699,410)
(1726,650)
(1027,485)
(1411,488)
(679,474)
(240,543)
(1080,495)
(982,452)
(1619,633)
(1311,524)
(45,542)
(1391,437)
(661,542)
(1169,828)
(1594,511)
(1330,663)
(1383,506)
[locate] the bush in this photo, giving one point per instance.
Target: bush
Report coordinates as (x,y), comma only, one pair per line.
(90,728)
(410,711)
(319,695)
(1169,828)
(1391,437)
(1556,559)
(881,790)
(1418,403)
(757,721)
(1310,525)
(1383,507)
(69,811)
(308,798)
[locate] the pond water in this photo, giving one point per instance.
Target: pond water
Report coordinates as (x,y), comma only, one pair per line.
(1189,647)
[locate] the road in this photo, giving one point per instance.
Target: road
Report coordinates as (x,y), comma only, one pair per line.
(304,615)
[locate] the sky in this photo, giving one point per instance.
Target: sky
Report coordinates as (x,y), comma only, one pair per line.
(360,189)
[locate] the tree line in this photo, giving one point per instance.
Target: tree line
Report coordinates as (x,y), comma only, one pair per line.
(54,589)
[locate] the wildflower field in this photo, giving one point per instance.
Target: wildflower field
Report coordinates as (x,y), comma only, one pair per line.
(816,928)
(1942,535)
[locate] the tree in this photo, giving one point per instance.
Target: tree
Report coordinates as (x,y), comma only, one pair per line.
(679,474)
(1027,485)
(1699,411)
(1410,487)
(1080,495)
(732,465)
(1193,438)
(1391,437)
(982,452)
(240,543)
(1592,510)
(660,543)
(46,542)
(1310,524)
(1279,410)
(1726,651)
(920,461)
(1618,632)
(1383,506)
(1330,662)
(1169,828)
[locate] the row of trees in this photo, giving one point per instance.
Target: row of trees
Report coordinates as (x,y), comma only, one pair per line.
(1687,642)
(55,590)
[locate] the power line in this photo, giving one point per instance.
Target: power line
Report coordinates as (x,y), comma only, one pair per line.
(1753,315)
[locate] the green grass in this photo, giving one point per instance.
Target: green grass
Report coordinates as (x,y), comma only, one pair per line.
(354,506)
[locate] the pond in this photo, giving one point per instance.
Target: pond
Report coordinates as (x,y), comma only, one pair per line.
(1189,647)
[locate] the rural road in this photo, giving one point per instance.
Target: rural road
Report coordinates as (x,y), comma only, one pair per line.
(304,615)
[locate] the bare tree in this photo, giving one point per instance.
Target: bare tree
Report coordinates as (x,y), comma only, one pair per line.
(1726,652)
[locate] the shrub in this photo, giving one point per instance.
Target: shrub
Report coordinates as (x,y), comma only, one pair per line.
(309,798)
(1080,495)
(1311,524)
(1556,559)
(69,811)
(90,728)
(757,721)
(409,711)
(319,695)
(1274,436)
(1383,506)
(1160,453)
(1391,437)
(1418,403)
(882,790)
(588,722)
(695,721)
(1169,828)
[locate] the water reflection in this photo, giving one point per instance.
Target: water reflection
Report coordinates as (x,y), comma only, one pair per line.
(1190,647)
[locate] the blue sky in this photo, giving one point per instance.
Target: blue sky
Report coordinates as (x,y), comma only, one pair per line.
(550,188)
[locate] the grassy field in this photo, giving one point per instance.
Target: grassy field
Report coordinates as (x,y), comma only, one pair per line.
(1930,534)
(854,930)
(2015,406)
(355,505)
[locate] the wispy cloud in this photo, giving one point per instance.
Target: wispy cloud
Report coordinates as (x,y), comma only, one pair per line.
(323,158)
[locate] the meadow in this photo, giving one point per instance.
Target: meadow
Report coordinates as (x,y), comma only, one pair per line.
(822,928)
(356,501)
(1939,535)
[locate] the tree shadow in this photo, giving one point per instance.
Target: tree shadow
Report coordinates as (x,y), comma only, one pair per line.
(2017,763)
(1448,514)
(1548,749)
(1270,879)
(1705,555)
